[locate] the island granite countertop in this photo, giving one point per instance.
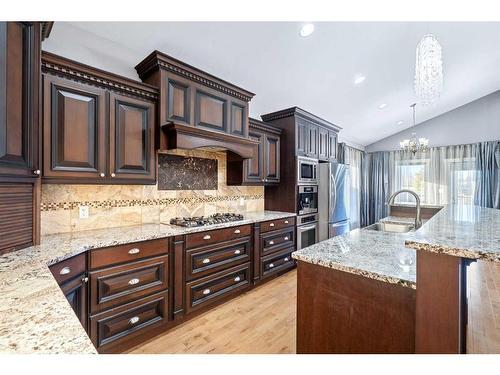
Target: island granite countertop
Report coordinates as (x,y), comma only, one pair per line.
(35,317)
(465,231)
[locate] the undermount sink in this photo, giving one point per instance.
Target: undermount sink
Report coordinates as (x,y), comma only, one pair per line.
(387,226)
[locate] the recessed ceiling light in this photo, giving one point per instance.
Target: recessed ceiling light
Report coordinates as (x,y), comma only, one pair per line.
(400,122)
(382,106)
(359,79)
(306,29)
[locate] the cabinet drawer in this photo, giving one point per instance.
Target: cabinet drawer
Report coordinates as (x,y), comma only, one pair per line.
(218,235)
(276,263)
(210,259)
(120,324)
(121,284)
(126,253)
(68,268)
(277,240)
(268,226)
(203,292)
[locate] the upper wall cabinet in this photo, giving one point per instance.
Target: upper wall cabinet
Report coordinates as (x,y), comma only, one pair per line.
(97,127)
(19,85)
(189,96)
(264,167)
(305,134)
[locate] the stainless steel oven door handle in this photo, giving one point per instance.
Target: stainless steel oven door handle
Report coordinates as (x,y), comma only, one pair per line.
(307,227)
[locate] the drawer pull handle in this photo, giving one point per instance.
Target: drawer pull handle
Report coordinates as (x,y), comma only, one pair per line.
(207,237)
(271,224)
(133,320)
(286,221)
(271,265)
(237,231)
(135,250)
(286,238)
(236,279)
(286,259)
(237,252)
(64,271)
(133,281)
(206,291)
(206,260)
(271,242)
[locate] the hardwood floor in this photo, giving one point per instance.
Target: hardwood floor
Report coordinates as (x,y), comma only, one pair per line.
(484,308)
(263,320)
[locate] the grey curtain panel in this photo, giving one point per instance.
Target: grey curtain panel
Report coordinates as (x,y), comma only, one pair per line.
(487,192)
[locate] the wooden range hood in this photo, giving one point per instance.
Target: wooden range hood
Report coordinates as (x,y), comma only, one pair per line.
(179,136)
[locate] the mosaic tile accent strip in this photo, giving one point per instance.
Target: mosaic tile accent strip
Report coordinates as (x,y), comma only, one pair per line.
(144,202)
(186,173)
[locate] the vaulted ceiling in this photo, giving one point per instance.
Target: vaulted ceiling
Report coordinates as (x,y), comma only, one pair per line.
(316,73)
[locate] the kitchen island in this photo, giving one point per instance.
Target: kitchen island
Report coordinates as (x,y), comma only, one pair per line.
(371,292)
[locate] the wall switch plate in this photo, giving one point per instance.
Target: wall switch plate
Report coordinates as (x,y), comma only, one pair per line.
(242,201)
(84,212)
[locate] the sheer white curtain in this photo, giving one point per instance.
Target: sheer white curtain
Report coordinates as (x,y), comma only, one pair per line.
(442,175)
(353,157)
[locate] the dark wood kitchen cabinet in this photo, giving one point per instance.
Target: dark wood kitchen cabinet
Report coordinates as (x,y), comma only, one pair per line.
(307,139)
(323,150)
(194,98)
(332,145)
(264,167)
(71,275)
(19,124)
(97,127)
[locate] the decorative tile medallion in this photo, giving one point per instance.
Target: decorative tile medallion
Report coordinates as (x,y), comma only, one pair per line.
(186,173)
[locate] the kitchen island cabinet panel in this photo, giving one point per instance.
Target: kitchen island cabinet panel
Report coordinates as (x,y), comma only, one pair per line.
(341,313)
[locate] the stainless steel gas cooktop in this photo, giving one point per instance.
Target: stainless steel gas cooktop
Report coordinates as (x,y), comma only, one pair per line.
(198,221)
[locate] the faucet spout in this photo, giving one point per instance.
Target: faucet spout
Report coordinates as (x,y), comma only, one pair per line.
(418,220)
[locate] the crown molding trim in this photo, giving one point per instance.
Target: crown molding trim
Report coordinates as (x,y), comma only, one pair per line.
(66,68)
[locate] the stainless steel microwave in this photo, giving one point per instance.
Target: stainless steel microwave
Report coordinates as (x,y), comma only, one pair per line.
(307,170)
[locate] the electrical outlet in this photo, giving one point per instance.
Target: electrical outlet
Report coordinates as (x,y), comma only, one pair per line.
(84,212)
(242,201)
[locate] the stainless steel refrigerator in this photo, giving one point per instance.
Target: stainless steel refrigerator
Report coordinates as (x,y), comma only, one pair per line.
(333,200)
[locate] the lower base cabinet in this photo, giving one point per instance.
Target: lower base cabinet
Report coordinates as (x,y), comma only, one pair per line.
(129,322)
(126,294)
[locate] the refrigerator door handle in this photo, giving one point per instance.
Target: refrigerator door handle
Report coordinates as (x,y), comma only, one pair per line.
(333,191)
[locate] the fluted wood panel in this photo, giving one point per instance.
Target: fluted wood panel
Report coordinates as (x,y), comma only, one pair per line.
(16,216)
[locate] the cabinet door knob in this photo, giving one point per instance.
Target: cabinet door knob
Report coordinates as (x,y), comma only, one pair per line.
(286,238)
(236,279)
(286,259)
(237,252)
(206,291)
(286,221)
(64,271)
(206,261)
(102,175)
(133,281)
(37,172)
(271,224)
(271,265)
(207,237)
(133,320)
(237,231)
(85,279)
(271,242)
(113,175)
(135,250)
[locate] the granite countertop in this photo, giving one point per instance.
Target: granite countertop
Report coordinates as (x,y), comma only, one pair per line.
(35,317)
(465,231)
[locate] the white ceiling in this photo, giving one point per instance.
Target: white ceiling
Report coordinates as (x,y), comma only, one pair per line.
(315,73)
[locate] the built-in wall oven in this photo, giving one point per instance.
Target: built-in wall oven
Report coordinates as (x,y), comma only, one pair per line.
(307,230)
(307,200)
(307,171)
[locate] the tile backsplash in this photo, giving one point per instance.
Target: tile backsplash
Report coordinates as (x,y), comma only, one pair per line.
(124,205)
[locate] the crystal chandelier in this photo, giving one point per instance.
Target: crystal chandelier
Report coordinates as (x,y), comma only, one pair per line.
(414,144)
(428,70)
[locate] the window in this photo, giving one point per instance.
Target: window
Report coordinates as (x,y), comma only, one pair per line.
(462,182)
(410,176)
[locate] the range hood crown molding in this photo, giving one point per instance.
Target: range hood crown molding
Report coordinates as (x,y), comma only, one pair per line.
(180,136)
